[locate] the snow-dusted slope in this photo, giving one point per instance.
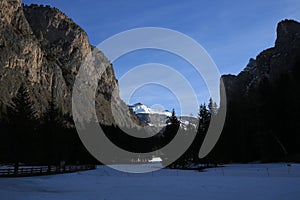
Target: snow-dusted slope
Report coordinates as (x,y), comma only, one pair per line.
(152,117)
(159,118)
(140,108)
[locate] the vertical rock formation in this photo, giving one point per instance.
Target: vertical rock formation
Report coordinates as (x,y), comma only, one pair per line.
(263,103)
(271,63)
(42,48)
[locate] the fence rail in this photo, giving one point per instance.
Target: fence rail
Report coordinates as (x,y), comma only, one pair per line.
(44,170)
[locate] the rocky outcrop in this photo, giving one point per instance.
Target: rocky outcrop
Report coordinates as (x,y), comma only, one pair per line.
(270,64)
(42,48)
(263,104)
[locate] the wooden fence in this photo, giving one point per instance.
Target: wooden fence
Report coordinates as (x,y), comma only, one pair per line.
(44,170)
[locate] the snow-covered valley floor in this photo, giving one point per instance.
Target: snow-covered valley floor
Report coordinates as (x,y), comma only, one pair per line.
(249,181)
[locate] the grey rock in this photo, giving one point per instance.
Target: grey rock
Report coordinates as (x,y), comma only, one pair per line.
(42,48)
(270,64)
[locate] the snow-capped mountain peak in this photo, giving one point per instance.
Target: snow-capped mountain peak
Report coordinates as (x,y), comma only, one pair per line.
(159,117)
(140,108)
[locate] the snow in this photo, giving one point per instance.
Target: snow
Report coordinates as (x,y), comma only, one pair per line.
(249,181)
(139,108)
(155,121)
(155,160)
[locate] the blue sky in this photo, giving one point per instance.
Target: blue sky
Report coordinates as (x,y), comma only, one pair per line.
(230,31)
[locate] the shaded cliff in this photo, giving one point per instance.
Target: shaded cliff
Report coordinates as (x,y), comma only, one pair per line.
(270,64)
(263,103)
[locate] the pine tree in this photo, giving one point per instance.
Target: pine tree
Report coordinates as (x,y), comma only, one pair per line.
(52,123)
(212,107)
(204,118)
(53,115)
(21,110)
(173,119)
(23,123)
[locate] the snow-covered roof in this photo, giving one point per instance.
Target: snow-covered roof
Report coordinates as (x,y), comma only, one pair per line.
(155,159)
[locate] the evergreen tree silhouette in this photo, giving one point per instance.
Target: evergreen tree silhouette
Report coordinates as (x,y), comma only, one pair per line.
(53,123)
(204,118)
(173,119)
(212,107)
(23,123)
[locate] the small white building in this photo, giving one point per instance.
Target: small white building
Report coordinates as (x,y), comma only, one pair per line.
(155,160)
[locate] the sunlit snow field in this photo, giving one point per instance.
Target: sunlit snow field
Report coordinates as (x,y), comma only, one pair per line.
(236,181)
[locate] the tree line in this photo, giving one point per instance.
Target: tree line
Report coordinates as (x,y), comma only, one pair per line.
(262,126)
(44,140)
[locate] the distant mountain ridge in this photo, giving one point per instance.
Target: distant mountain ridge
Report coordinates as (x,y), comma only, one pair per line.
(141,108)
(159,118)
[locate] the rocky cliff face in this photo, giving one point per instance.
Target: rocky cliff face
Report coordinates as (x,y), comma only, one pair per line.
(270,64)
(263,108)
(43,49)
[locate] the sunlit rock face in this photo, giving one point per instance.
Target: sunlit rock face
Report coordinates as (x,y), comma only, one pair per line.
(43,49)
